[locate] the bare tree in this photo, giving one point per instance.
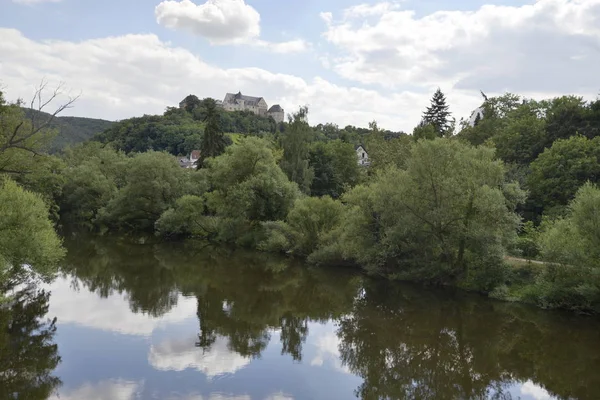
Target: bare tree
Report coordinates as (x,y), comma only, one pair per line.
(19,135)
(23,132)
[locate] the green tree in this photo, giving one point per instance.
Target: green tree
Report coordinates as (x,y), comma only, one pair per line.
(425,131)
(27,237)
(335,168)
(213,141)
(154,181)
(386,151)
(559,171)
(310,220)
(446,218)
(522,135)
(175,132)
(247,183)
(93,176)
(572,244)
(295,142)
(191,102)
(570,115)
(438,115)
(496,111)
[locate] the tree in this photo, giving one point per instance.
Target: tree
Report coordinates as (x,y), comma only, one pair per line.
(154,181)
(191,102)
(446,218)
(295,142)
(385,151)
(495,111)
(521,136)
(175,132)
(438,115)
(425,131)
(27,237)
(310,220)
(559,171)
(335,168)
(93,176)
(572,244)
(22,138)
(213,141)
(247,183)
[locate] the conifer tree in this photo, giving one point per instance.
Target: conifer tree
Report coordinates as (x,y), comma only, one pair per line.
(213,141)
(437,114)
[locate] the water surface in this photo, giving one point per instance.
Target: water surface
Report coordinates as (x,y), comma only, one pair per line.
(183,321)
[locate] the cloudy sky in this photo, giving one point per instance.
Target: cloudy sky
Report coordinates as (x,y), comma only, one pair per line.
(350,61)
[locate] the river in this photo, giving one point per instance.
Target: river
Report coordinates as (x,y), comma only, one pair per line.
(186,321)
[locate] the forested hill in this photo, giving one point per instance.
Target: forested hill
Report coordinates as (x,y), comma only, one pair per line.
(71,130)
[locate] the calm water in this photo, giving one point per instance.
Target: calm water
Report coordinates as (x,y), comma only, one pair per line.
(186,322)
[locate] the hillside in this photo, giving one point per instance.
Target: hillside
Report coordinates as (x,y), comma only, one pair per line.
(72,130)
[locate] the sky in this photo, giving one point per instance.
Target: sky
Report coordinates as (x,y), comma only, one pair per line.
(349,61)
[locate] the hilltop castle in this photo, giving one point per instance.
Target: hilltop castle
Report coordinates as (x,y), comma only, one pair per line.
(257,105)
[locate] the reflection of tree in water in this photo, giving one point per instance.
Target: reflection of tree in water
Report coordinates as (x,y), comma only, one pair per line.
(244,299)
(27,352)
(242,296)
(408,343)
(108,265)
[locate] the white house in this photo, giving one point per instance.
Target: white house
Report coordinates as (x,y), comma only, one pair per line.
(191,161)
(362,155)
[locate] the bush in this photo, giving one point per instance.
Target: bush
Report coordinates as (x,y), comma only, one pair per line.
(310,220)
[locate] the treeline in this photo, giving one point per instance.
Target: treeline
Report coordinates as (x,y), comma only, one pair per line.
(436,206)
(180,130)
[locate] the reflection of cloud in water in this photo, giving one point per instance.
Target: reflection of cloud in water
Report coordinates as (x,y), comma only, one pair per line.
(328,350)
(538,393)
(112,313)
(178,355)
(220,396)
(106,390)
(214,396)
(279,396)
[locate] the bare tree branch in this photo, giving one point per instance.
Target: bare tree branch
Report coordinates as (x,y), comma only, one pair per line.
(36,106)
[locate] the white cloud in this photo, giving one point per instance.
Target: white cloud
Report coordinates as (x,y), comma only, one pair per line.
(369,10)
(221,22)
(105,390)
(549,46)
(112,313)
(179,355)
(125,76)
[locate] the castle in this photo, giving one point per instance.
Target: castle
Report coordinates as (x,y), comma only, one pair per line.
(257,105)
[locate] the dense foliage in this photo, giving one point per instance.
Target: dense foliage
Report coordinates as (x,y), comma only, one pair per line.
(29,246)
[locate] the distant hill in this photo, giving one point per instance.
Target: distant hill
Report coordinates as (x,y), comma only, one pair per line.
(72,130)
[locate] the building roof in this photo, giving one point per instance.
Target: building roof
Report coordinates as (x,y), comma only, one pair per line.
(195,154)
(275,108)
(249,100)
(359,146)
